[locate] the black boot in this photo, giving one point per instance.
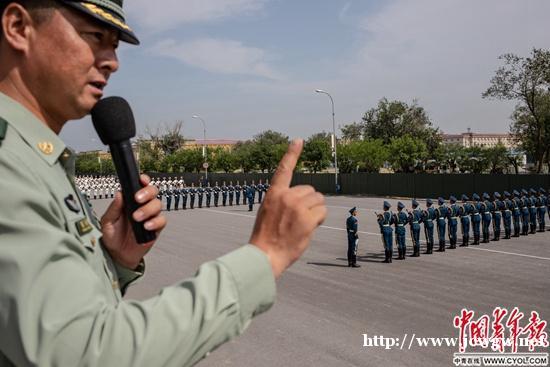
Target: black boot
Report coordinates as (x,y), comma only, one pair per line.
(430,249)
(386,256)
(441,246)
(403,253)
(354,265)
(391,256)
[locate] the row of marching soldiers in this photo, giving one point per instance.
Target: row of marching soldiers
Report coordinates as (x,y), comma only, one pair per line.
(520,210)
(173,191)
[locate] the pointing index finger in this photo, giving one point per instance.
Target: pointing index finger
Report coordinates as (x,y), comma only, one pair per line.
(283,175)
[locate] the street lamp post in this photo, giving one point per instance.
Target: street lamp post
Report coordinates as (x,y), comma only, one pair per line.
(204,143)
(334,142)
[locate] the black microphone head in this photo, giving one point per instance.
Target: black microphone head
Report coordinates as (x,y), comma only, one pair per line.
(113,120)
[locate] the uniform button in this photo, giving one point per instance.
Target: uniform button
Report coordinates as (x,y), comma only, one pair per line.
(93,241)
(115,284)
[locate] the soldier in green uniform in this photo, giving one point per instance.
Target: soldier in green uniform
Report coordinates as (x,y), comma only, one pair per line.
(63,273)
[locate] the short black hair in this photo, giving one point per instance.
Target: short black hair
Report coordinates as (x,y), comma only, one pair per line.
(38,9)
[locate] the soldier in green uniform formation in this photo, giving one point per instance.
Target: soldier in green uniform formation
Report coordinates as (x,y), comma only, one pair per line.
(63,271)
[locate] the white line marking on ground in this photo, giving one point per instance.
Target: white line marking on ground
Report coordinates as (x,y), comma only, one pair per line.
(508,253)
(378,234)
(342,229)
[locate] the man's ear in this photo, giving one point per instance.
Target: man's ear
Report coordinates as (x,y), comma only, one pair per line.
(17,26)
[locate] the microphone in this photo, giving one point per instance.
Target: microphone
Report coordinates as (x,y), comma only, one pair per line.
(114,122)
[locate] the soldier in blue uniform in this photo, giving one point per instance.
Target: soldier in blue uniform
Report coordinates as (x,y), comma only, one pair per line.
(266,185)
(253,186)
(238,189)
(453,222)
(353,236)
(475,213)
(260,188)
(516,212)
(169,196)
(200,193)
(250,197)
(401,219)
(245,190)
(464,212)
(216,190)
(525,214)
(533,210)
(507,209)
(428,217)
(192,194)
(231,192)
(385,220)
(442,212)
(208,193)
(497,216)
(485,211)
(541,209)
(415,218)
(177,189)
(184,195)
(224,190)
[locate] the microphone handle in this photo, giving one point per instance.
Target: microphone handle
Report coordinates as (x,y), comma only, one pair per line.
(125,164)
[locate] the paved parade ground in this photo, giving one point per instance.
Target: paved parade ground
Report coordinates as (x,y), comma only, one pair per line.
(324,308)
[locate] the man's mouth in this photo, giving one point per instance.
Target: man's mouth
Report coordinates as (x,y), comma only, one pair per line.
(98,84)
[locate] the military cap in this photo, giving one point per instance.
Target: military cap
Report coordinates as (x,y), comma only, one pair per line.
(476,197)
(414,203)
(352,210)
(507,194)
(516,193)
(452,199)
(429,202)
(440,201)
(400,205)
(524,192)
(464,197)
(542,191)
(108,12)
(486,196)
(387,205)
(533,191)
(496,195)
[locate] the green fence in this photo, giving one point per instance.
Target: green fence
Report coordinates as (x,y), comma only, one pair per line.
(397,184)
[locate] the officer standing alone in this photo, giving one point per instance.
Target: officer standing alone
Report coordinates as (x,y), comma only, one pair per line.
(353,238)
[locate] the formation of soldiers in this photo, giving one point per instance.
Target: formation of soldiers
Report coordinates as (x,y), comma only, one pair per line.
(98,187)
(518,212)
(176,191)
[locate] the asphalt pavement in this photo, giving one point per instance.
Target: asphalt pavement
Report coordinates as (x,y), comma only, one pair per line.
(326,312)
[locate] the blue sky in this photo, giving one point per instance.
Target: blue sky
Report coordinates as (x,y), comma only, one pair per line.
(246,66)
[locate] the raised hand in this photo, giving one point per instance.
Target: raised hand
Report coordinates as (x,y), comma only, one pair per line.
(288,216)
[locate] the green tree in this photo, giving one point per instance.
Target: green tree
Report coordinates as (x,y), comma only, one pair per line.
(87,163)
(224,160)
(526,80)
(394,119)
(244,156)
(317,153)
(267,149)
(346,158)
(497,158)
(352,132)
(406,153)
(168,139)
(370,155)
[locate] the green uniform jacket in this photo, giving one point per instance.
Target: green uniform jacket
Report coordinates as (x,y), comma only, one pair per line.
(61,293)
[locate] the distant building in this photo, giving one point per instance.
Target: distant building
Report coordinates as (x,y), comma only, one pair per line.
(471,139)
(226,144)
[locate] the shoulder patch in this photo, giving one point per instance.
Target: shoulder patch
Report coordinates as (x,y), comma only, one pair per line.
(3,128)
